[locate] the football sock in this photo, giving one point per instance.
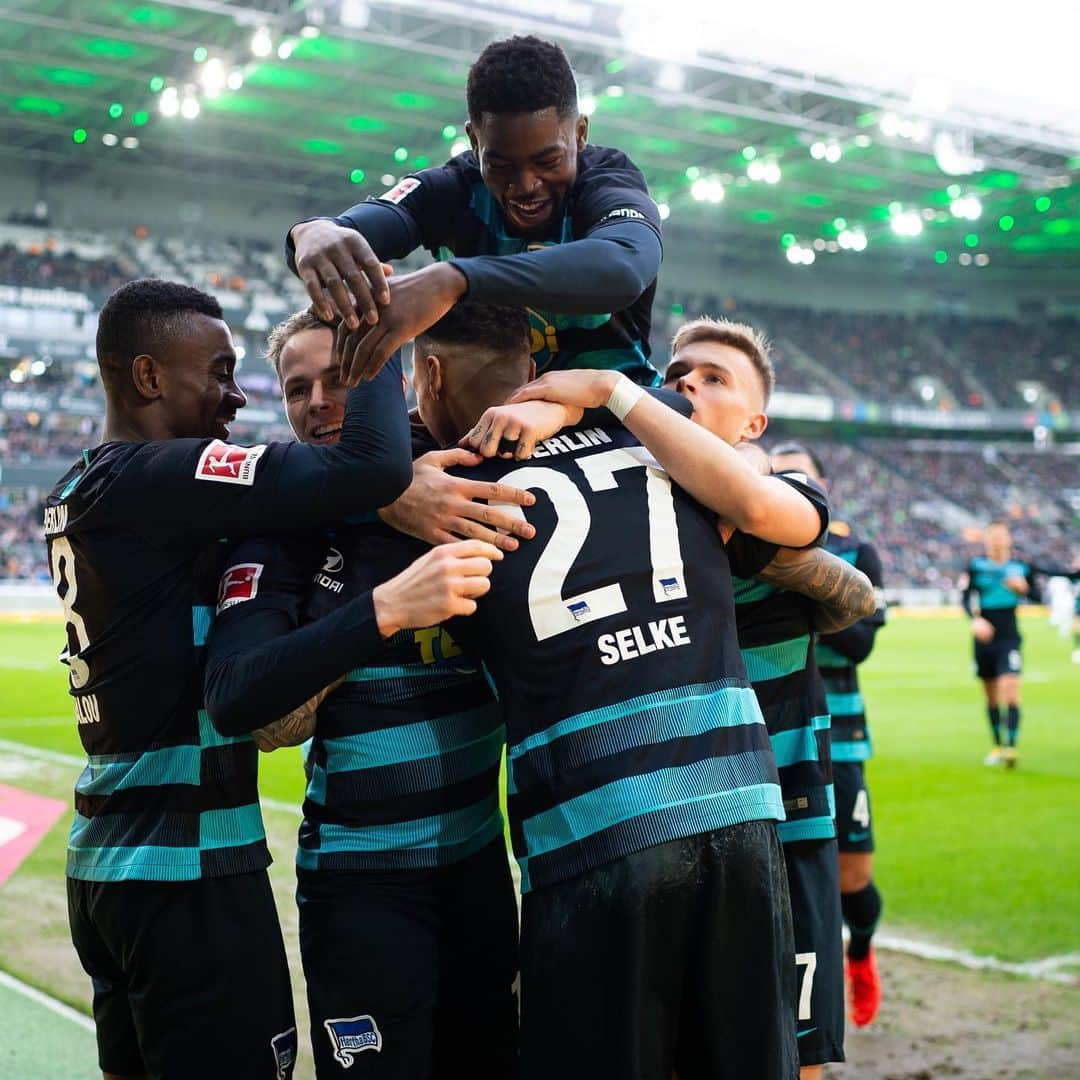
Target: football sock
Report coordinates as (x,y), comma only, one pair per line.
(1013,723)
(861,910)
(994,712)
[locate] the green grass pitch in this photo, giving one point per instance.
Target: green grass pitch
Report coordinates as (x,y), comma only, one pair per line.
(968,856)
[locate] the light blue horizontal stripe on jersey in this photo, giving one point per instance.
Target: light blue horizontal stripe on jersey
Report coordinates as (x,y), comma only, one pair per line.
(656,717)
(455,827)
(750,590)
(718,810)
(812,828)
(143,863)
(794,746)
(765,662)
(478,728)
(407,671)
(234,827)
(105,774)
(851,750)
(202,618)
(845,704)
(210,736)
(728,780)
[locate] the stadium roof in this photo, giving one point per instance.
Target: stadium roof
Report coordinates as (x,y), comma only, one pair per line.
(761,154)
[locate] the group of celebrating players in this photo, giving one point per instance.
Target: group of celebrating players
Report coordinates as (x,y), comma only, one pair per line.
(596,575)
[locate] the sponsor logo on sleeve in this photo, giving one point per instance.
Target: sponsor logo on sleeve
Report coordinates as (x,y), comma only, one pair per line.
(238,583)
(623,212)
(401,190)
(353,1036)
(229,464)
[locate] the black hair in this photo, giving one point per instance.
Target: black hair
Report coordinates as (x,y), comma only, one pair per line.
(521,75)
(490,327)
(140,316)
(798,448)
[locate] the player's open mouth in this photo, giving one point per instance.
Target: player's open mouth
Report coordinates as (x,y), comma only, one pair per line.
(531,212)
(326,433)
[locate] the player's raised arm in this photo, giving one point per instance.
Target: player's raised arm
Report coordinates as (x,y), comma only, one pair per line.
(856,642)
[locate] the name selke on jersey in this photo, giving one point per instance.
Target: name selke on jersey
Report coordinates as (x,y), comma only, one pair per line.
(610,639)
(133,537)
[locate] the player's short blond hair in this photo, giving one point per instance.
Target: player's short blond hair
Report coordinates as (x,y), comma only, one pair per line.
(752,343)
(286,330)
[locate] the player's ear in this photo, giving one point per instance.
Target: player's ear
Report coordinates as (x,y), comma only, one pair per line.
(146,376)
(582,132)
(532,370)
(755,427)
(433,366)
(471,132)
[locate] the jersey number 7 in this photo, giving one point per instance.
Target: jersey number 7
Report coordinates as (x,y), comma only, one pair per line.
(551,612)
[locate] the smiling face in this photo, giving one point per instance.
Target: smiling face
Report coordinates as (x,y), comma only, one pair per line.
(199,396)
(724,386)
(529,163)
(310,384)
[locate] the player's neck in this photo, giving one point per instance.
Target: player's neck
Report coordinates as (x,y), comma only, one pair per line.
(141,426)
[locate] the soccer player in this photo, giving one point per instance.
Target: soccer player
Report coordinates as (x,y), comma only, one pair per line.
(169,902)
(642,786)
(408,921)
(531,215)
(994,584)
(838,657)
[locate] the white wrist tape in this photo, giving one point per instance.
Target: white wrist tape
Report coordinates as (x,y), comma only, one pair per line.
(624,397)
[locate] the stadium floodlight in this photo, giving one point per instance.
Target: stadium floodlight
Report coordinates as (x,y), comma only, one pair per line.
(663,210)
(771,173)
(927,392)
(262,45)
(235,79)
(889,124)
(169,102)
(964,258)
(615,91)
(906,223)
(189,107)
(982,259)
(109,139)
(817,150)
(17,375)
(129,142)
(587,104)
(212,76)
(459,147)
(309,31)
(967,207)
(388,179)
(756,170)
(833,153)
(671,77)
(38,368)
(285,49)
(863,141)
(699,188)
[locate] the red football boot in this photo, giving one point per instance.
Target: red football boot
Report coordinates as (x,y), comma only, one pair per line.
(865,989)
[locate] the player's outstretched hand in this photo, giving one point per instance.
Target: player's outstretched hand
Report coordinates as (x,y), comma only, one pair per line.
(439,585)
(983,630)
(512,431)
(417,301)
(585,388)
(336,260)
(439,508)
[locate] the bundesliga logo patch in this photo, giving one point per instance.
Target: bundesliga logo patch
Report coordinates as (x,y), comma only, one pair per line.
(238,583)
(400,190)
(351,1037)
(229,464)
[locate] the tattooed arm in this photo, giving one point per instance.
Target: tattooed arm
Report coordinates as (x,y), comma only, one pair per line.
(842,594)
(295,727)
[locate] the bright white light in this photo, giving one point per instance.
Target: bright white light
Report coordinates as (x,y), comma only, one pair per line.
(235,80)
(189,108)
(928,214)
(169,102)
(17,375)
(906,223)
(38,368)
(130,143)
(954,154)
(388,179)
(852,240)
(819,244)
(310,31)
(832,246)
(982,259)
(615,91)
(664,210)
(672,78)
(212,76)
(261,43)
(965,258)
(967,206)
(794,254)
(109,139)
(587,104)
(699,189)
(863,141)
(241,352)
(858,241)
(756,170)
(808,257)
(459,147)
(285,49)
(890,125)
(817,151)
(833,153)
(771,173)
(927,392)
(715,192)
(931,95)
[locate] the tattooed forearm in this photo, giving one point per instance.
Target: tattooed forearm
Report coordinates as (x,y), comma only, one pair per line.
(844,595)
(295,727)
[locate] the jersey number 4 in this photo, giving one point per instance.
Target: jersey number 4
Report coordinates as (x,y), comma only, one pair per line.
(551,612)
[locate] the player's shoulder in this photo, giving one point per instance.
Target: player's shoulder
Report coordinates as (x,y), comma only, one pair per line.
(448,181)
(600,161)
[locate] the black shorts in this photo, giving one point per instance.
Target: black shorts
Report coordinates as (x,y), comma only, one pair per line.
(854,828)
(814,882)
(676,958)
(411,973)
(997,658)
(190,978)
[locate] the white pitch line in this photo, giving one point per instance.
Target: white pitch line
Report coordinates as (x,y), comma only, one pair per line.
(50,1003)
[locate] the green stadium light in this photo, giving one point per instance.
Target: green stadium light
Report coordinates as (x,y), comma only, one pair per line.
(749,153)
(839,224)
(79,135)
(787,240)
(693,173)
(357,176)
(401,154)
(116,110)
(422,161)
(199,55)
(140,118)
(972,239)
(941,257)
(449,133)
(1042,203)
(677,309)
(1006,222)
(613,67)
(157,84)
